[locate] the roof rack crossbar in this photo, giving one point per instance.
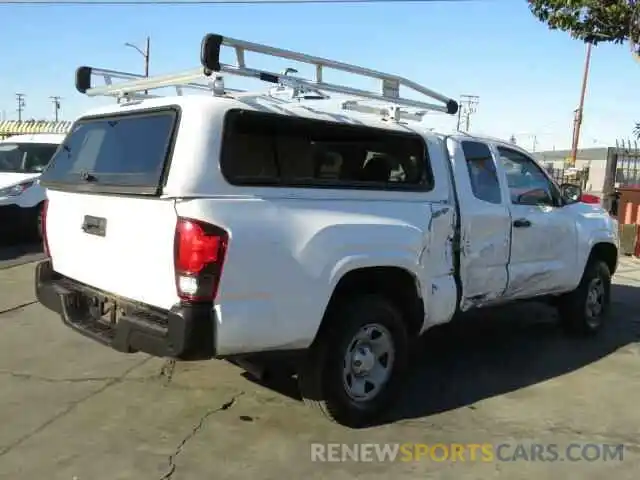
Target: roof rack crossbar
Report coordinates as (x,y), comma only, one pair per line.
(211,66)
(390,113)
(135,83)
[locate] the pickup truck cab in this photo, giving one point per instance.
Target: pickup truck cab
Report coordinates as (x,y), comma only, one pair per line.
(22,159)
(232,225)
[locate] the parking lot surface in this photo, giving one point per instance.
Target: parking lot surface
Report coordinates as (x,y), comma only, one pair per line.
(12,253)
(72,409)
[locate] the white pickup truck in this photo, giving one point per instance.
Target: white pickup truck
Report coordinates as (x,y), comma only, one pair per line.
(241,225)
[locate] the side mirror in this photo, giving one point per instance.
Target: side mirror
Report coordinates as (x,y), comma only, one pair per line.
(570,192)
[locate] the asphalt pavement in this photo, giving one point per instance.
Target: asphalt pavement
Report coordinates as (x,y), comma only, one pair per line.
(13,254)
(72,409)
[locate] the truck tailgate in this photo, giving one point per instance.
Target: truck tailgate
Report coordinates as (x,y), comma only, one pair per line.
(120,244)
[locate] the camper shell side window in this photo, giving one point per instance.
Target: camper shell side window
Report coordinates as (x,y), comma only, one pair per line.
(265,149)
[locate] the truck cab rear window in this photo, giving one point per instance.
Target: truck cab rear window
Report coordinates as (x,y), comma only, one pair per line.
(276,150)
(116,151)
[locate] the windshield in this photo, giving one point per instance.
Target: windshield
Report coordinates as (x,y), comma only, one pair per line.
(25,157)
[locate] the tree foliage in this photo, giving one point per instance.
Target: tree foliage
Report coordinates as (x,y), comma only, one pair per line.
(592,21)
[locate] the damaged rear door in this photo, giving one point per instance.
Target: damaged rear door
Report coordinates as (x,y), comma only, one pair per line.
(485,224)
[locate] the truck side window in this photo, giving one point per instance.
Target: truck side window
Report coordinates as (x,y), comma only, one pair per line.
(482,172)
(528,185)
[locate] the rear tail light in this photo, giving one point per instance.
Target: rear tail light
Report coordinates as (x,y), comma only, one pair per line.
(200,250)
(43,226)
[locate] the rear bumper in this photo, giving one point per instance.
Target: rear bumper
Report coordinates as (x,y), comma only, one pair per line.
(186,331)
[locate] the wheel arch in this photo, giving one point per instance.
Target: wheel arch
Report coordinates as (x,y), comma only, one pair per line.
(397,284)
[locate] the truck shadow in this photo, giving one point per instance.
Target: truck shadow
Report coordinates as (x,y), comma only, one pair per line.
(14,253)
(505,350)
(499,351)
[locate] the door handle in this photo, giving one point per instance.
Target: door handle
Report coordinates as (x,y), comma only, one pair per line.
(521,223)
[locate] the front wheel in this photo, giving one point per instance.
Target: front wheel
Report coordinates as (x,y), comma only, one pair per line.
(353,369)
(584,310)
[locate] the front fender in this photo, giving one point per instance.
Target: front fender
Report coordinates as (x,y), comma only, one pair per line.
(595,226)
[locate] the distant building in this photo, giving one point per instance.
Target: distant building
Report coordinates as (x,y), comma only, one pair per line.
(585,157)
(595,162)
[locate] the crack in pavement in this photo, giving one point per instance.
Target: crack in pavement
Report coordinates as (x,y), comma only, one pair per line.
(18,307)
(41,378)
(31,376)
(167,370)
(172,465)
(167,382)
(72,406)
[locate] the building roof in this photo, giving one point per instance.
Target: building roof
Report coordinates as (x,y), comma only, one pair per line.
(13,127)
(596,153)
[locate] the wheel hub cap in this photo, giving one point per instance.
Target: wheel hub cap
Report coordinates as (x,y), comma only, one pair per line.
(368,362)
(363,360)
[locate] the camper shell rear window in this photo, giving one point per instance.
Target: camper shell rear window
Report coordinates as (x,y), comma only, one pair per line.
(123,153)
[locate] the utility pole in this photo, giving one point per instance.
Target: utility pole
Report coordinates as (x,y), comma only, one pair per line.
(577,121)
(144,53)
(56,105)
(468,104)
(21,105)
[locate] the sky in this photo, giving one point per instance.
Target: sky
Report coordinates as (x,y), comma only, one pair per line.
(527,77)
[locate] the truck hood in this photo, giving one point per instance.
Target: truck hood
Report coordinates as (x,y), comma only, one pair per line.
(9,179)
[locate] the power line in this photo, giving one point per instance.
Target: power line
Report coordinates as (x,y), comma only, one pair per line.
(216,2)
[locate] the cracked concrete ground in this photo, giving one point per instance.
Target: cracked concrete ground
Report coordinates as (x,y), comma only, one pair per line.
(72,409)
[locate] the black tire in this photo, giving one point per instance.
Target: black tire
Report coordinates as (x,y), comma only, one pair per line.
(584,311)
(322,379)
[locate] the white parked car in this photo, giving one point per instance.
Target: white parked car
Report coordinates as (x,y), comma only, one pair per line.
(248,227)
(22,160)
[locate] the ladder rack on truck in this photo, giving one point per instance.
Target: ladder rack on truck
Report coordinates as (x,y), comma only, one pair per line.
(136,87)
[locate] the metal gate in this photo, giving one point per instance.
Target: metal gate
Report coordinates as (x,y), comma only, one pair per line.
(576,176)
(622,171)
(622,193)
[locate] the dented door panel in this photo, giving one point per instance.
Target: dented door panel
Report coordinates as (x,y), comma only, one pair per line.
(544,244)
(543,255)
(485,226)
(437,258)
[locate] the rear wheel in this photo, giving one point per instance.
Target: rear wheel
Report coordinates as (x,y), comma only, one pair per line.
(353,369)
(584,311)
